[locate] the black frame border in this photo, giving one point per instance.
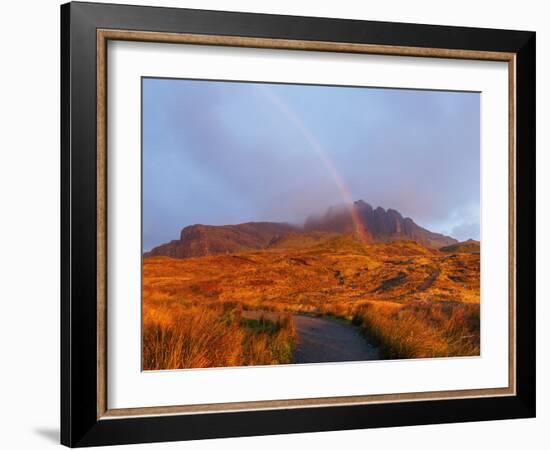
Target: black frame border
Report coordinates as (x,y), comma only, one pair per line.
(79,423)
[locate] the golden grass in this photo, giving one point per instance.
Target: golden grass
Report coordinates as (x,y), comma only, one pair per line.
(178,335)
(415,302)
(422,330)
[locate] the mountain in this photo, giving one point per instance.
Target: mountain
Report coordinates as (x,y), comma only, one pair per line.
(469,246)
(203,240)
(377,225)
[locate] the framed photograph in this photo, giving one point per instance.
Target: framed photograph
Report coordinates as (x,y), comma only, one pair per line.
(277,224)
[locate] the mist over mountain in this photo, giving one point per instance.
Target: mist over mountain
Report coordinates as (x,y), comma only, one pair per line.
(379,225)
(375,224)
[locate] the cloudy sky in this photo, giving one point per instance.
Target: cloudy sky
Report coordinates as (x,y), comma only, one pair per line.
(230,152)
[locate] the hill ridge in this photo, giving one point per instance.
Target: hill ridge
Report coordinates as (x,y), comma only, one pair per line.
(378,225)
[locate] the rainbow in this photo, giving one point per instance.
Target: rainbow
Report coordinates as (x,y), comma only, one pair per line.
(321,153)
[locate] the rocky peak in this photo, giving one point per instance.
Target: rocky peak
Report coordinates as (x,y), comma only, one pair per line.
(362,206)
(379,224)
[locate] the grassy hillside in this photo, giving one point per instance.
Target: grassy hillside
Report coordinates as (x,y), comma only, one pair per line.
(469,246)
(415,301)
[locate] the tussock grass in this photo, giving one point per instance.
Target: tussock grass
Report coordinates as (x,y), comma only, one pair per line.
(178,335)
(422,330)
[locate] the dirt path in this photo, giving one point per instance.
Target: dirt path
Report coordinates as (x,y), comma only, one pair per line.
(325,340)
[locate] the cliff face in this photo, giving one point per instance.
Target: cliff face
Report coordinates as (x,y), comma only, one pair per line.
(377,224)
(203,240)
